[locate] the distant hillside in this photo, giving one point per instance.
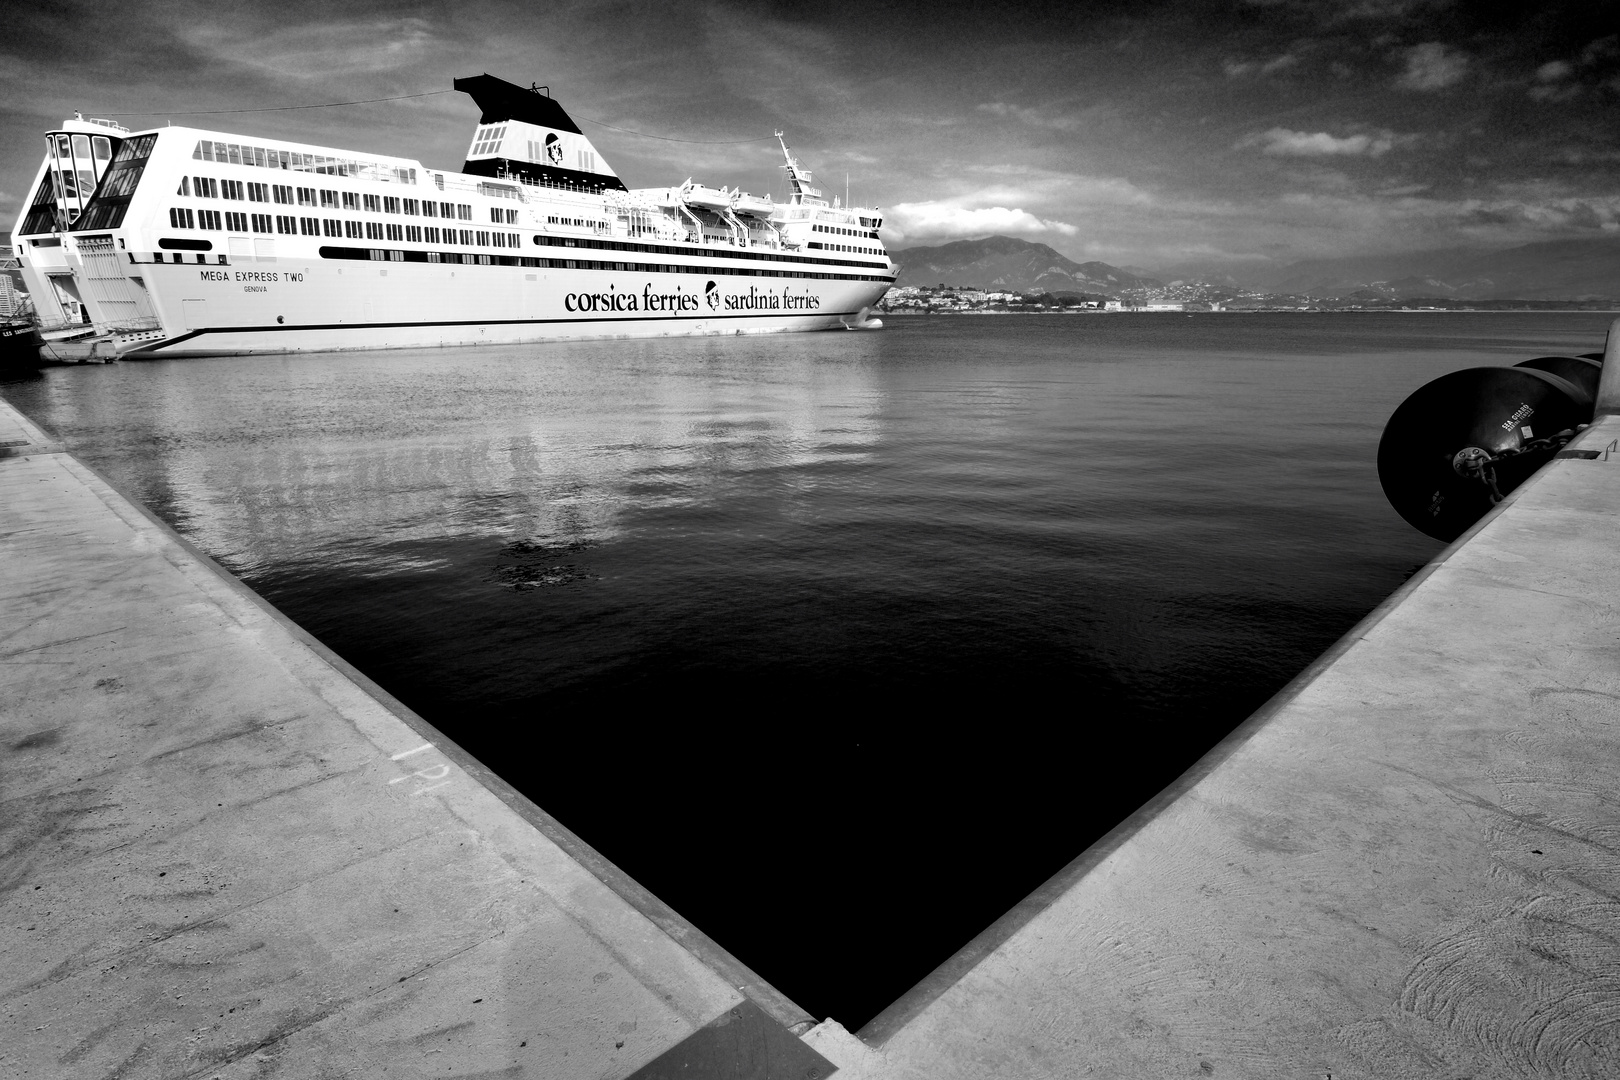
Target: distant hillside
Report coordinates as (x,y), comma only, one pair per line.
(1553,270)
(1003,262)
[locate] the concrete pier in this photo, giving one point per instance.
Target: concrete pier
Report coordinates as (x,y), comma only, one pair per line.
(1406,865)
(224,853)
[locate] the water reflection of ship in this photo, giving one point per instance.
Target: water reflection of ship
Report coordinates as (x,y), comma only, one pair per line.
(285,488)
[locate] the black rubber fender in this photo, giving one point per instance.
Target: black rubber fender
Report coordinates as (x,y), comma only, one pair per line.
(1579,370)
(1491,409)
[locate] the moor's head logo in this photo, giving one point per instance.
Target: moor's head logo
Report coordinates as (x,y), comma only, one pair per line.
(711,293)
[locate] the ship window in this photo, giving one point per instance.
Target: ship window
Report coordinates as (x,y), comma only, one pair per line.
(374,204)
(285,224)
(208,219)
(185,186)
(430,209)
(466,237)
(261,223)
(283,194)
(329,198)
(412,206)
(258,192)
(309,226)
(81,147)
(351,200)
(234,153)
(233,189)
(464,211)
(390,204)
(102,147)
(332,226)
(306,196)
(430,234)
(413,233)
(204,151)
(438,181)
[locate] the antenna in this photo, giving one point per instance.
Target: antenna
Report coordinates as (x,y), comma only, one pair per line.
(846,188)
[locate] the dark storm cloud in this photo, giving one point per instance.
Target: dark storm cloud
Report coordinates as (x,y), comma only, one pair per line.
(1243,131)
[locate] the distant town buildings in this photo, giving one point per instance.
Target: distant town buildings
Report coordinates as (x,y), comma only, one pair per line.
(1177,296)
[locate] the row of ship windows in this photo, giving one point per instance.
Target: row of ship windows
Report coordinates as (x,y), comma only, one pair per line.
(208,187)
(845,247)
(183,217)
(845,232)
(666,249)
(385,255)
(187,218)
(469,258)
(265,158)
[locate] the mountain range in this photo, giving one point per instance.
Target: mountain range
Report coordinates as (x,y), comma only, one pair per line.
(1004,262)
(1550,270)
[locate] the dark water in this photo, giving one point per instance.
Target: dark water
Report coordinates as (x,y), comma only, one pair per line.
(839,643)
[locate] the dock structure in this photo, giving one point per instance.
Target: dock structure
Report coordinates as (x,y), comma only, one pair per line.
(224,853)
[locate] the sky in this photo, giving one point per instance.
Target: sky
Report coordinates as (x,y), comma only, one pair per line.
(1222,135)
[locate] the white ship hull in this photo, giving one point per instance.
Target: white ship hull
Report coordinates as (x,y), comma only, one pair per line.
(180,242)
(292,306)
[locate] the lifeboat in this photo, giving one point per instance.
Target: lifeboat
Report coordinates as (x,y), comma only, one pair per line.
(757,205)
(707,198)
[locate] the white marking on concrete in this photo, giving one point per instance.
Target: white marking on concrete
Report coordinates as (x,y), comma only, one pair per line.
(435,772)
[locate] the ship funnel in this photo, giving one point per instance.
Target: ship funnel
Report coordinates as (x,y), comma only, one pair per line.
(524,132)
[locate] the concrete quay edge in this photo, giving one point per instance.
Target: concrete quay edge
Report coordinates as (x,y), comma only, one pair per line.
(596,942)
(1045,992)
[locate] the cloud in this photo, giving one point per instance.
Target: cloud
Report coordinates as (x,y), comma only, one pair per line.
(1032,117)
(946,219)
(1554,70)
(1533,213)
(1565,80)
(1237,69)
(318,50)
(1433,66)
(1283,142)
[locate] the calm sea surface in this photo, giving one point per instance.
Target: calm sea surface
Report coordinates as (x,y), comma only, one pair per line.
(840,643)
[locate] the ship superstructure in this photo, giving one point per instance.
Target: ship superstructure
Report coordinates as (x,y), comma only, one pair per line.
(177,240)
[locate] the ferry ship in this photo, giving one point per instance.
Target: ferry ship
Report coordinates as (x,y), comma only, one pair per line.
(178,241)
